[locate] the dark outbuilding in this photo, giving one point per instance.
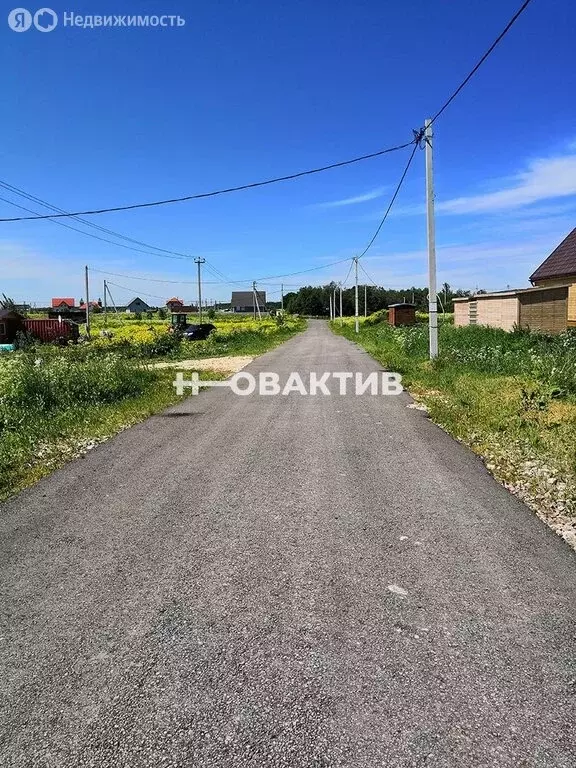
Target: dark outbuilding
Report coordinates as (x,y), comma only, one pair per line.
(402,314)
(10,323)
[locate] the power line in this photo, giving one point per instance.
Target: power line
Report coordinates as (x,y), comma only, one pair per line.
(394,196)
(302,271)
(214,193)
(131,290)
(154,279)
(367,275)
(483,59)
(46,204)
(288,177)
(348,274)
(90,234)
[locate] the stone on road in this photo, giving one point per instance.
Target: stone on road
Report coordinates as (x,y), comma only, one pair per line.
(284,581)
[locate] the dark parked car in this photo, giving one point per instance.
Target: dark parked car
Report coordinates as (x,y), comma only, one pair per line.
(198,332)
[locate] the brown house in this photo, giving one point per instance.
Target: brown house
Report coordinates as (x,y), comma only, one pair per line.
(560,267)
(10,323)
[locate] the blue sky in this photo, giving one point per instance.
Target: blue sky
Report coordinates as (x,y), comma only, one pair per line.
(252,89)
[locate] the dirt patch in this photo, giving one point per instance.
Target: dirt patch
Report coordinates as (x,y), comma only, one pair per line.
(218,364)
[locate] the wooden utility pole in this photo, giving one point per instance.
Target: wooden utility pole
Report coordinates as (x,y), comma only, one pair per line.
(432,302)
(365,304)
(282,296)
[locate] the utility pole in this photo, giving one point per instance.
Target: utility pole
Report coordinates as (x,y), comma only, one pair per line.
(330,302)
(356,327)
(341,320)
(105,306)
(199,261)
(282,296)
(87,302)
(432,305)
(256,303)
(365,304)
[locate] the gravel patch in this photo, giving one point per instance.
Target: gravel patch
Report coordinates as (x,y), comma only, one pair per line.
(218,364)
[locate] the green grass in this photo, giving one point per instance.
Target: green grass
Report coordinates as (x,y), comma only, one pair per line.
(234,335)
(510,396)
(55,402)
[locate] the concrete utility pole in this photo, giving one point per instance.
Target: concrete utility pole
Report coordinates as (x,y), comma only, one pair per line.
(105,306)
(282,296)
(356,326)
(341,320)
(199,261)
(432,305)
(330,302)
(256,302)
(87,302)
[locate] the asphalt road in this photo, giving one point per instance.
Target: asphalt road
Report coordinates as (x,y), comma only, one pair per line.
(284,581)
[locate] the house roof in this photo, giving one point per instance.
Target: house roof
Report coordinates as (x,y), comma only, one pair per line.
(137,298)
(175,300)
(561,262)
(9,314)
(246,298)
(59,302)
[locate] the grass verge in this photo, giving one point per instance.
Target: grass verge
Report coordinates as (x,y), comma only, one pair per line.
(57,403)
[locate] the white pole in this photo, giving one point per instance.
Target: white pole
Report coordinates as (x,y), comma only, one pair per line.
(356,326)
(330,302)
(432,306)
(199,261)
(341,320)
(87,302)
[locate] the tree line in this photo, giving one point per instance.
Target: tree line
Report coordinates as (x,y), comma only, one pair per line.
(315,300)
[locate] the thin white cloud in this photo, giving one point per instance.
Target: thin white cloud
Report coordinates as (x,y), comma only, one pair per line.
(366,197)
(545,178)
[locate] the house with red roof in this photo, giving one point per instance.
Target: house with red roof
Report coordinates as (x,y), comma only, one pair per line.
(63,303)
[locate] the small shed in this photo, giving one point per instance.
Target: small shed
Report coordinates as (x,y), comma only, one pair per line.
(402,314)
(10,323)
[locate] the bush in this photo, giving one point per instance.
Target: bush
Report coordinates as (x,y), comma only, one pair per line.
(377,317)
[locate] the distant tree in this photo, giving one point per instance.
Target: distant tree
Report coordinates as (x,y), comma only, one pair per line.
(211,314)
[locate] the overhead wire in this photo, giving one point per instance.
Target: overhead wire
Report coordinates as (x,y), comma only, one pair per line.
(46,204)
(90,234)
(216,192)
(481,61)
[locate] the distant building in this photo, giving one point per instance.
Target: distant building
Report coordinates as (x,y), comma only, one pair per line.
(560,267)
(243,301)
(137,305)
(63,304)
(177,306)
